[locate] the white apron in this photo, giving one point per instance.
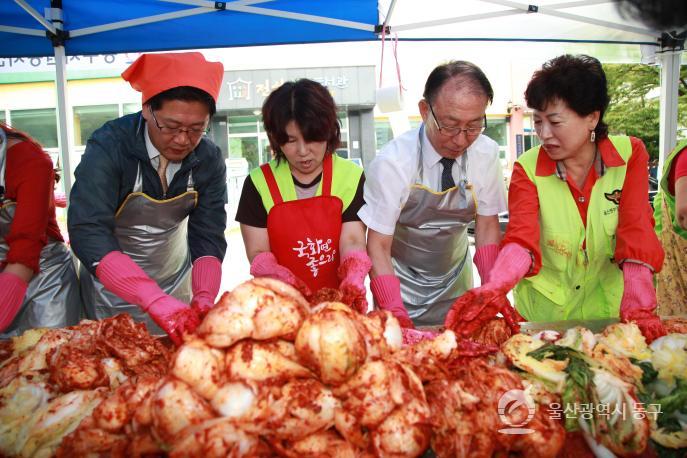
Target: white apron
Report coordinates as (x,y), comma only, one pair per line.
(52,297)
(430,247)
(154,234)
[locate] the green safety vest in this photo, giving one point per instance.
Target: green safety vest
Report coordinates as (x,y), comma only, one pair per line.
(345,178)
(575,283)
(664,194)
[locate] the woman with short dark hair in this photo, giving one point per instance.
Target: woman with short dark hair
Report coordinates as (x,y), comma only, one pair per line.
(580,242)
(298,213)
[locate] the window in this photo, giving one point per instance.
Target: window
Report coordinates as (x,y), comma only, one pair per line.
(247,148)
(244,124)
(89,118)
(246,138)
(343,120)
(128,108)
(343,149)
(40,124)
(531,140)
(497,130)
(2,115)
(383,133)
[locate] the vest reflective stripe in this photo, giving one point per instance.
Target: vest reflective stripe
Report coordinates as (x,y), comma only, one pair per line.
(346,176)
(575,283)
(664,194)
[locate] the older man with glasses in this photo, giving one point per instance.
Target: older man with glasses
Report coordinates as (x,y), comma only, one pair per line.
(147,215)
(422,191)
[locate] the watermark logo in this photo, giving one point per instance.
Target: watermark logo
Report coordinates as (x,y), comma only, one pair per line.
(516,409)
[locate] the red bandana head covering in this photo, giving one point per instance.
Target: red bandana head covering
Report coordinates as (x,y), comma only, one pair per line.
(152,74)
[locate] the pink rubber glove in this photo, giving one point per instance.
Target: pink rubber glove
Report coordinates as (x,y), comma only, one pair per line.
(121,275)
(206,277)
(638,303)
(265,265)
(485,257)
(353,270)
(61,200)
(511,265)
(12,292)
(479,305)
(386,290)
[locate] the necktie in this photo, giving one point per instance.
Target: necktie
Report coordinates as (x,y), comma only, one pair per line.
(162,172)
(446,175)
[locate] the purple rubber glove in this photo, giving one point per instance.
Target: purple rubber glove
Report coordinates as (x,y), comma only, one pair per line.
(638,303)
(121,275)
(265,265)
(485,257)
(206,278)
(386,290)
(353,270)
(12,292)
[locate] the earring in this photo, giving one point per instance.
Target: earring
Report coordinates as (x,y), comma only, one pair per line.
(592,137)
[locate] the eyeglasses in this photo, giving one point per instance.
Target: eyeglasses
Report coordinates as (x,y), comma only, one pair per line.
(192,132)
(451,131)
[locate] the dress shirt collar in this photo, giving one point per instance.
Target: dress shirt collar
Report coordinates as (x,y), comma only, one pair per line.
(153,153)
(430,157)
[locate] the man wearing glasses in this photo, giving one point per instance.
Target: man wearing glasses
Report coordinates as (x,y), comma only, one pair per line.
(147,215)
(422,191)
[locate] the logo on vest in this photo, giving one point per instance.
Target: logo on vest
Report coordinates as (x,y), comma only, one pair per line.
(614,196)
(559,247)
(317,253)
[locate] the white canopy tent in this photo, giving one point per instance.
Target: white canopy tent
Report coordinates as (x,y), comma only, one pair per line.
(72,27)
(590,21)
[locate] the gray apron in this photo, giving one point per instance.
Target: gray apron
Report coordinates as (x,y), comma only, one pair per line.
(52,297)
(154,234)
(430,246)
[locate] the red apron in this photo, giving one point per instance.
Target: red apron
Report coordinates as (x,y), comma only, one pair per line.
(304,233)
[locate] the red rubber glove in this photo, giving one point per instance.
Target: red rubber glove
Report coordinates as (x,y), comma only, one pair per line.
(206,278)
(479,305)
(471,311)
(121,275)
(265,265)
(352,272)
(386,290)
(485,257)
(12,292)
(638,303)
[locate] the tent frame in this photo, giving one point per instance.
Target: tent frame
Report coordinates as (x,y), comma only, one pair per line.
(669,47)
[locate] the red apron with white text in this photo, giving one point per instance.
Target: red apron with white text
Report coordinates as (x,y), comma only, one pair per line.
(304,233)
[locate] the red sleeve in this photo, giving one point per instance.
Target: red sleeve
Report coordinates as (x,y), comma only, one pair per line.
(29,178)
(635,235)
(523,216)
(678,169)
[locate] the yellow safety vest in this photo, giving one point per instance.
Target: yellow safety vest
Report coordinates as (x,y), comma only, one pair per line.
(575,283)
(345,178)
(664,194)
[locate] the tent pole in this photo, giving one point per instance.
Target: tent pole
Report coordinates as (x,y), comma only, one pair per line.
(34,14)
(389,12)
(670,76)
(64,129)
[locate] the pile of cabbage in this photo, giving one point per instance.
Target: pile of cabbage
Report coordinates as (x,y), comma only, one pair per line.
(620,393)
